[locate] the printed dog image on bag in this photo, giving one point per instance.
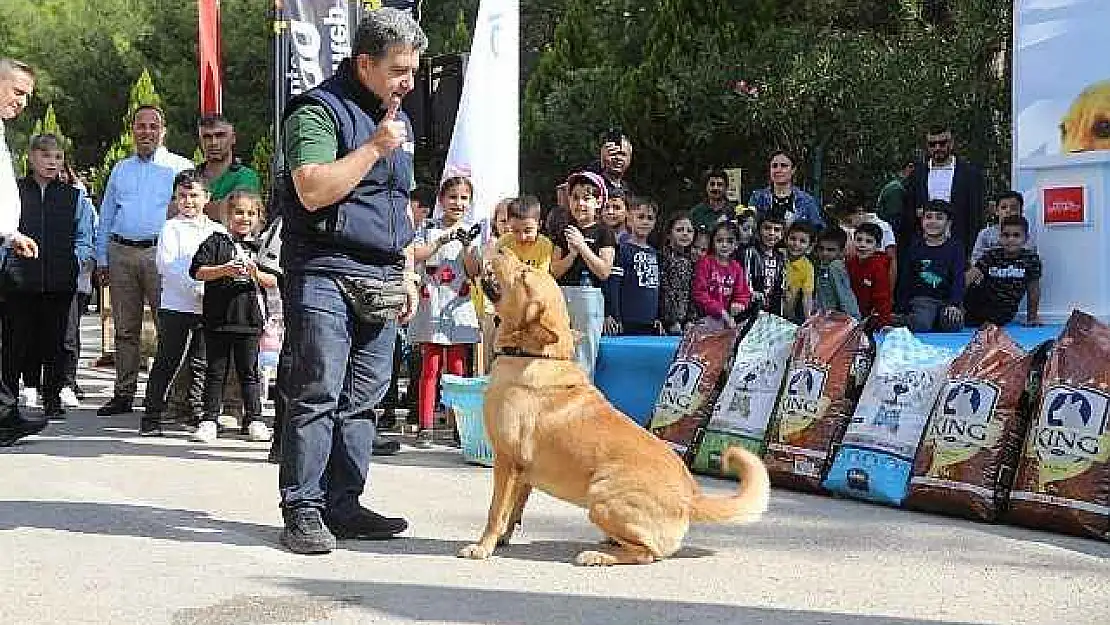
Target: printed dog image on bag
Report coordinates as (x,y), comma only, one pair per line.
(828,357)
(965,466)
(745,405)
(878,448)
(692,385)
(1063,477)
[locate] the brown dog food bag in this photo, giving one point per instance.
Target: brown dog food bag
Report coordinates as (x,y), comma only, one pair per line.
(828,364)
(1063,477)
(694,380)
(969,451)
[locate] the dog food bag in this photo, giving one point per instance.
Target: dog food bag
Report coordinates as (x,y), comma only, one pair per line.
(745,405)
(693,383)
(1063,476)
(969,452)
(829,356)
(878,448)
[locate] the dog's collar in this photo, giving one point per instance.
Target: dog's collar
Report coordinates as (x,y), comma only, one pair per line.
(516,351)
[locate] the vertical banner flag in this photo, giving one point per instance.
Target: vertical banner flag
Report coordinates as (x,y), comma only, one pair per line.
(210,46)
(486,140)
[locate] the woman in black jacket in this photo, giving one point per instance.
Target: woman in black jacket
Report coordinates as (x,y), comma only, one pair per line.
(234,310)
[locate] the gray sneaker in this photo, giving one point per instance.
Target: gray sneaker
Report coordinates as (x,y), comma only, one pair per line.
(305,532)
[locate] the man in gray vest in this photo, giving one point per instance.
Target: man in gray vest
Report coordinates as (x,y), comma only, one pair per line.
(348,278)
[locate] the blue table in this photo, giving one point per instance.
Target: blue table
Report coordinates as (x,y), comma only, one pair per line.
(630,369)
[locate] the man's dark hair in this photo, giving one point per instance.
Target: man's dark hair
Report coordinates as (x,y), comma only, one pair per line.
(801,226)
(212,119)
(835,235)
(385,28)
(938,128)
(524,207)
(150,107)
(938,206)
(1015,220)
(1012,195)
(715,173)
(873,231)
(425,195)
(46,141)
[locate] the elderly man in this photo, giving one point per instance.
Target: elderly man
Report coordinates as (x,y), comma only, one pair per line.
(348,278)
(136,200)
(17,81)
(221,169)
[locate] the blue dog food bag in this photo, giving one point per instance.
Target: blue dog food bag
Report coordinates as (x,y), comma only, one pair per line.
(877,454)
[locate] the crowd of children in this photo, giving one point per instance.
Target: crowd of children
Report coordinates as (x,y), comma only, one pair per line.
(621,274)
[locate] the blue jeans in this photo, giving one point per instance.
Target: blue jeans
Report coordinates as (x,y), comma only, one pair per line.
(338,370)
(586,307)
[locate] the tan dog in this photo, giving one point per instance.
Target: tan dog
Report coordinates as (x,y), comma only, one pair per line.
(1087,123)
(551,429)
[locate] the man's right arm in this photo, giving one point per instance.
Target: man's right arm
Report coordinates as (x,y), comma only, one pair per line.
(311,149)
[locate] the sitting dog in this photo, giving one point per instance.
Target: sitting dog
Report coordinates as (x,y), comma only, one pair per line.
(553,430)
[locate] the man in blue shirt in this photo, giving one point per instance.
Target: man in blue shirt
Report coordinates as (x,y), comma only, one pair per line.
(136,201)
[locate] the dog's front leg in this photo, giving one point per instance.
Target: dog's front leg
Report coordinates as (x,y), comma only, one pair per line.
(523,490)
(506,481)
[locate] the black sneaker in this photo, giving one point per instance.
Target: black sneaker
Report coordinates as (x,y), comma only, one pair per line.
(115,406)
(15,427)
(150,425)
(366,525)
(52,408)
(305,532)
(385,446)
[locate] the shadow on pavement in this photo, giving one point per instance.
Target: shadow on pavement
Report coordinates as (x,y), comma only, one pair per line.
(165,447)
(422,603)
(552,551)
(115,519)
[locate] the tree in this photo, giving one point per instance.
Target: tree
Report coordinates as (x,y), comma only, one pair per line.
(142,94)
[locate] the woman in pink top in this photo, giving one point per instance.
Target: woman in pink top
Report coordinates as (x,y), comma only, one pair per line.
(720,287)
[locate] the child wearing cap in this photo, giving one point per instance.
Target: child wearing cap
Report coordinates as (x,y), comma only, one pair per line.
(931,281)
(582,261)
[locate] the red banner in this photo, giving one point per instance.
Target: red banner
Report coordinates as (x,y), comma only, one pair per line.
(211,83)
(1065,205)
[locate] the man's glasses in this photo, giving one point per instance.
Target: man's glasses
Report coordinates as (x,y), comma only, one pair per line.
(939,143)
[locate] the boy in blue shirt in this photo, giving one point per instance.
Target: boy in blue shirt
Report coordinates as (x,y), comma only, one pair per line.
(931,281)
(633,305)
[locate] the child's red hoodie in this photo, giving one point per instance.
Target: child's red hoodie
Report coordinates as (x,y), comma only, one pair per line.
(871,284)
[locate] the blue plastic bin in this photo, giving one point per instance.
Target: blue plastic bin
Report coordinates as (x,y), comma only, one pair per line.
(464,396)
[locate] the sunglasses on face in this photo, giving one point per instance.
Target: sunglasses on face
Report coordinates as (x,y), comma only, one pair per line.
(939,143)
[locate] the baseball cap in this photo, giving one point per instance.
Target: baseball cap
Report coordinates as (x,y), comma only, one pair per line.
(589,177)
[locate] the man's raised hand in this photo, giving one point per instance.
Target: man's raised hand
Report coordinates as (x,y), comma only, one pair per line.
(391,132)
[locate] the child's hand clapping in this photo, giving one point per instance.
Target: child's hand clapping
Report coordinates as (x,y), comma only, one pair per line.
(575,240)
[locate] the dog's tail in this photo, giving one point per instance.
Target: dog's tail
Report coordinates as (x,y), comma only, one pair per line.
(747,504)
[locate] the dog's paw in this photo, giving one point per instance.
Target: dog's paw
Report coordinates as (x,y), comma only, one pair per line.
(595,558)
(474,552)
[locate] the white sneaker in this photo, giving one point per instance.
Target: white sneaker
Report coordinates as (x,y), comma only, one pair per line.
(29,397)
(69,398)
(206,432)
(259,432)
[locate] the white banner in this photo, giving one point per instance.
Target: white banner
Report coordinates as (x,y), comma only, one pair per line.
(1061,79)
(486,141)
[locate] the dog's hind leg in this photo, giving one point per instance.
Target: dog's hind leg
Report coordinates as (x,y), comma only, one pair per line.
(630,543)
(506,480)
(521,498)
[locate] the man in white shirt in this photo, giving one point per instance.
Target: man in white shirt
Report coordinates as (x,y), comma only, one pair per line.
(17,81)
(944,176)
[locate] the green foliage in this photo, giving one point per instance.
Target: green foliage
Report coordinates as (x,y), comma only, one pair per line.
(262,161)
(142,94)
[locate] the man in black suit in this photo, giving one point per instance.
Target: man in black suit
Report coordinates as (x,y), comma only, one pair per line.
(944,177)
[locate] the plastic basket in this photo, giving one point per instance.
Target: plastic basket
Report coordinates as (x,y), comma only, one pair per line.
(464,396)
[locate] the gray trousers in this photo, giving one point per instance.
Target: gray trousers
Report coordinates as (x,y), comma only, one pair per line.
(926,315)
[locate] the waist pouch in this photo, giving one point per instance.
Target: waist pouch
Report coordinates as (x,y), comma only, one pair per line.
(373,300)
